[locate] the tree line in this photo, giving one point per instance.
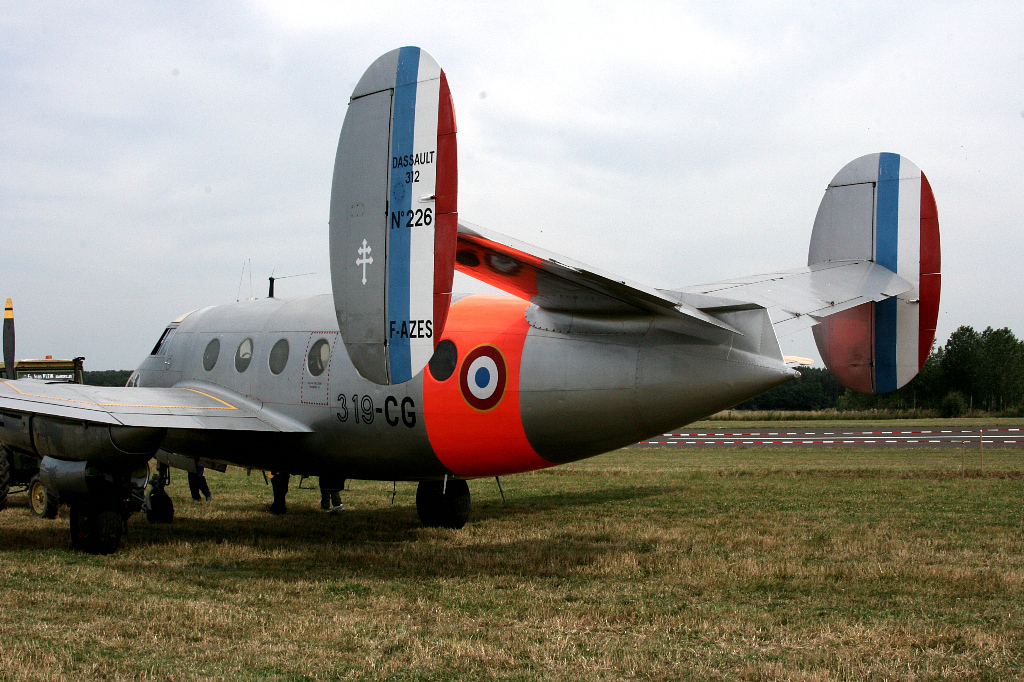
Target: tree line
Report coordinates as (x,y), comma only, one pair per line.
(106,377)
(973,371)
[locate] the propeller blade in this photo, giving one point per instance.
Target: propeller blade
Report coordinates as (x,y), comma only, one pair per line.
(9,339)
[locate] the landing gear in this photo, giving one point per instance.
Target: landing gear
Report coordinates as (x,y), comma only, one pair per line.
(95,527)
(100,502)
(443,506)
(42,501)
(158,505)
(98,517)
(5,476)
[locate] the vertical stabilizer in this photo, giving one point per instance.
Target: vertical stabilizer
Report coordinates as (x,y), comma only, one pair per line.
(394,219)
(880,207)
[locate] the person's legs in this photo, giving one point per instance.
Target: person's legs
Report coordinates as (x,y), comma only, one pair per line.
(193,486)
(279,483)
(201,484)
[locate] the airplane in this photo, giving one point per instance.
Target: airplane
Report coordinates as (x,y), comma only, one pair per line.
(393,377)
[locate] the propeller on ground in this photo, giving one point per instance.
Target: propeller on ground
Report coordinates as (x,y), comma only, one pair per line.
(9,339)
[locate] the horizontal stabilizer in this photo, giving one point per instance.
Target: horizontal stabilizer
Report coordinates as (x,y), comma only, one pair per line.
(560,284)
(801,297)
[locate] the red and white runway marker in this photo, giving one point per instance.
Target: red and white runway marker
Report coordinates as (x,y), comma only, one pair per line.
(845,437)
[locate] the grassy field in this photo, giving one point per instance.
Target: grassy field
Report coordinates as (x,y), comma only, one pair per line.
(721,564)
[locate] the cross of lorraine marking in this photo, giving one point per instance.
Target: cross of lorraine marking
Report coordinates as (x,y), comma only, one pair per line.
(364,259)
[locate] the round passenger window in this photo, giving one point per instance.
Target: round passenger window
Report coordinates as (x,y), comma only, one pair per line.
(319,354)
(243,356)
(210,354)
(279,356)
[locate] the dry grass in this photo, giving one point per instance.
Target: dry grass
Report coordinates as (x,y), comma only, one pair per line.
(832,415)
(653,564)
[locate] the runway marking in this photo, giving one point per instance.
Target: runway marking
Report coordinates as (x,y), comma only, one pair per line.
(947,437)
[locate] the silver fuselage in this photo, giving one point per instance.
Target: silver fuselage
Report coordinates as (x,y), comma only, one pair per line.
(583,386)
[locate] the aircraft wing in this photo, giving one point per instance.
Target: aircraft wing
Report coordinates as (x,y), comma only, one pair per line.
(799,298)
(189,405)
(559,284)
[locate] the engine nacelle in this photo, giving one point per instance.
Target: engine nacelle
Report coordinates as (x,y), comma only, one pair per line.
(102,445)
(73,453)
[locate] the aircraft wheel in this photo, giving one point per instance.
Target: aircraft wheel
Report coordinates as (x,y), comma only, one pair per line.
(159,506)
(95,528)
(5,476)
(447,509)
(42,501)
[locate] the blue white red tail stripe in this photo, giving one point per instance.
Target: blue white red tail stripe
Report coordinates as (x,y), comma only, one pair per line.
(411,237)
(394,216)
(403,120)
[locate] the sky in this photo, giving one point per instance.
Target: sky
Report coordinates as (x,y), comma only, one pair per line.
(160,157)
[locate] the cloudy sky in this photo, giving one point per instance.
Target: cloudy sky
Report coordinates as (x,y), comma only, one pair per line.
(149,150)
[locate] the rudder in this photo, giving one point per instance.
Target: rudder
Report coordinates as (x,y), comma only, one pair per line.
(880,207)
(394,220)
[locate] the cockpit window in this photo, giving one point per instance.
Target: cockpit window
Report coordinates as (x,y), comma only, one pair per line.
(319,354)
(211,354)
(243,356)
(165,339)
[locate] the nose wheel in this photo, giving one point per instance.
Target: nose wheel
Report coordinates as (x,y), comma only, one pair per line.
(443,506)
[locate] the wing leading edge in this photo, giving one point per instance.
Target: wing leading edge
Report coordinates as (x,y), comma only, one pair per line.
(560,284)
(189,405)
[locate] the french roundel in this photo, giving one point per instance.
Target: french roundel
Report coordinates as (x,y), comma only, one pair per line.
(482,378)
